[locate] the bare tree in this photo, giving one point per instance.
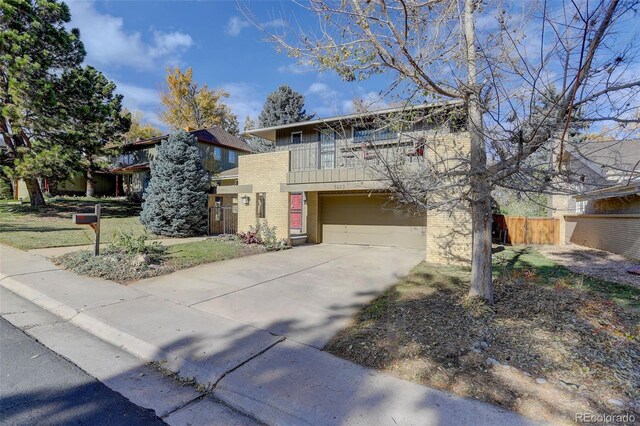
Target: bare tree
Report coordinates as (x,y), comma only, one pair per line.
(530,78)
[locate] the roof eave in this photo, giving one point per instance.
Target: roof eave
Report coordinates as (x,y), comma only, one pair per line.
(269,133)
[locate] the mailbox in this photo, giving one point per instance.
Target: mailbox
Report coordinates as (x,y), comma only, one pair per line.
(85,219)
(93,220)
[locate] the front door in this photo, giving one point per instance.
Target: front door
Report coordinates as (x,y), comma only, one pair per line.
(295,212)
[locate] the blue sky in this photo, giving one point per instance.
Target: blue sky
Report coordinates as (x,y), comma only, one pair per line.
(133,42)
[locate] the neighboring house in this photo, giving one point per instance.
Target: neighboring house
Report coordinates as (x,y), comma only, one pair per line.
(129,171)
(220,151)
(606,213)
(320,183)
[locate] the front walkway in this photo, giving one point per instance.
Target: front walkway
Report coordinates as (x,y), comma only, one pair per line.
(268,377)
(308,293)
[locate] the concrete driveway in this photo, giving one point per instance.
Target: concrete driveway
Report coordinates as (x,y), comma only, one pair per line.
(306,294)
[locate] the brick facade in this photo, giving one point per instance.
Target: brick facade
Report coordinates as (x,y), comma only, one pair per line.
(265,172)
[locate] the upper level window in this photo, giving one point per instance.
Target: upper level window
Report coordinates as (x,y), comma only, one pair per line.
(232,157)
(296,138)
(371,134)
(217,153)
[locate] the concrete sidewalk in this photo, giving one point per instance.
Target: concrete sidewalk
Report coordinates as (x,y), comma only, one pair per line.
(267,377)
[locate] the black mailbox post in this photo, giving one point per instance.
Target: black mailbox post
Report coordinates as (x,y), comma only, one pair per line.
(93,220)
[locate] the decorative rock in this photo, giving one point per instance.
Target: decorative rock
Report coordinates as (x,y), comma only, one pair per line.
(541,381)
(616,402)
(483,345)
(491,361)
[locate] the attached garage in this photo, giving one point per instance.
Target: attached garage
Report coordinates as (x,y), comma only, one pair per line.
(369,219)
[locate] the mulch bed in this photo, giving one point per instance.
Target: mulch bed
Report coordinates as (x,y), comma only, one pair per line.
(546,351)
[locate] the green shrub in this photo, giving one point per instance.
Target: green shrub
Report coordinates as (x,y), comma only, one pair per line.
(263,234)
(126,258)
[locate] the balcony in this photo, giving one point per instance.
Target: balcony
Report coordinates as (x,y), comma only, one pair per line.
(345,164)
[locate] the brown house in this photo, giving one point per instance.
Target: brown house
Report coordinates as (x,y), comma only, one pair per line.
(320,183)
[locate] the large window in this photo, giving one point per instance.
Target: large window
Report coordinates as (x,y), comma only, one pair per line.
(260,205)
(327,149)
(296,138)
(372,134)
(232,157)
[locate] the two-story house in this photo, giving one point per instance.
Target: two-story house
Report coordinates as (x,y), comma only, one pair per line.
(321,185)
(219,149)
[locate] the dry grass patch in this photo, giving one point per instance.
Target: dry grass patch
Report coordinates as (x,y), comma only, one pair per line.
(551,346)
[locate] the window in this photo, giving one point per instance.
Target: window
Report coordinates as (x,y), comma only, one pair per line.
(232,157)
(371,134)
(296,138)
(217,153)
(581,207)
(260,205)
(327,149)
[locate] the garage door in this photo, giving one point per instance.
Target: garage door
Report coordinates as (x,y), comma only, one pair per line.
(369,220)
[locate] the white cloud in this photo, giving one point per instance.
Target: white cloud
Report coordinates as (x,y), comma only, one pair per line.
(370,100)
(108,42)
(326,101)
(243,100)
(295,69)
(236,25)
(143,99)
(275,23)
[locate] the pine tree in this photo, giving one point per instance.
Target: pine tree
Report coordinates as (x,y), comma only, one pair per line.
(35,47)
(256,143)
(94,118)
(283,106)
(176,199)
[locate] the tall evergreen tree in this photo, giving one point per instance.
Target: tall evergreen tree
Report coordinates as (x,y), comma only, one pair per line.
(176,199)
(283,106)
(256,143)
(35,48)
(94,118)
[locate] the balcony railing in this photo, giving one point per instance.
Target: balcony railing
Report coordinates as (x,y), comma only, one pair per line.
(352,155)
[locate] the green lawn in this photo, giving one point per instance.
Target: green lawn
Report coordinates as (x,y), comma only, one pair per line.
(181,256)
(26,227)
(124,267)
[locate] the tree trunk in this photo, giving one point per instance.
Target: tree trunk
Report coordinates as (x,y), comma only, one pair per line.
(35,193)
(481,218)
(481,283)
(91,183)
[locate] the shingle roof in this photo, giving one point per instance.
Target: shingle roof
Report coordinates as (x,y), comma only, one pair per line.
(215,135)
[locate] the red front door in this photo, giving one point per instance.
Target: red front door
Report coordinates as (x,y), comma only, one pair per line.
(295,212)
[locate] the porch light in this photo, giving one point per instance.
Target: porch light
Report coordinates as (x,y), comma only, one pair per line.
(245,200)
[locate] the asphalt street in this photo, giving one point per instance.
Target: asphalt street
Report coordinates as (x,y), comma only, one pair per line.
(37,386)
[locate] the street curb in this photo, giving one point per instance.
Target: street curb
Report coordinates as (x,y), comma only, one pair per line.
(100,329)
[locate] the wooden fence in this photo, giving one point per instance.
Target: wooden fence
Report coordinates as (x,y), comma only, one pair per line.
(526,230)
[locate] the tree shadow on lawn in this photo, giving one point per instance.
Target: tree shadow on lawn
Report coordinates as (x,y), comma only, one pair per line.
(546,323)
(12,227)
(64,207)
